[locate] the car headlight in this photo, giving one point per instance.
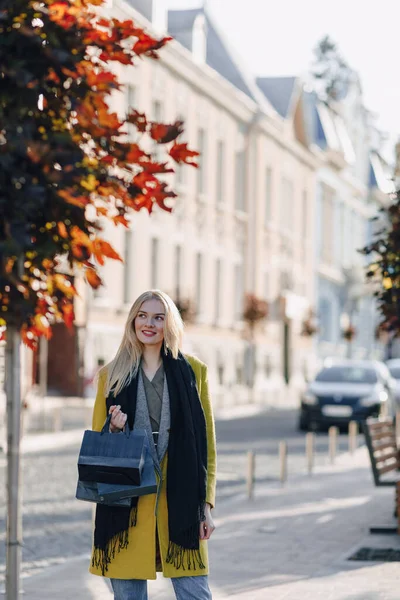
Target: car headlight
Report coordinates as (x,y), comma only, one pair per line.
(382,396)
(309,398)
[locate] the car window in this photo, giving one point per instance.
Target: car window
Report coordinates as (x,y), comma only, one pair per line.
(395,372)
(347,374)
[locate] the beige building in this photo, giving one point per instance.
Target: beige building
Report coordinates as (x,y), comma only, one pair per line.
(243,222)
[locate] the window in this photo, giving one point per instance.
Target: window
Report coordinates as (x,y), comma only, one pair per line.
(217,289)
(240,200)
(199,276)
(239,292)
(266,285)
(201,171)
(157,116)
(130,105)
(180,169)
(220,173)
(127,266)
(157,111)
(178,267)
(327,225)
(287,205)
(304,216)
(304,223)
(268,199)
(154,262)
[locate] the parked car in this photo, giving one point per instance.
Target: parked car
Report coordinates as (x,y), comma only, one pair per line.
(344,391)
(394,367)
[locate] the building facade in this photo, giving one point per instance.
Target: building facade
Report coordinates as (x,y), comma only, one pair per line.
(242,223)
(353,182)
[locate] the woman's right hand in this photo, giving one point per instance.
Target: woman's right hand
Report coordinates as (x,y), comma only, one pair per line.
(118,419)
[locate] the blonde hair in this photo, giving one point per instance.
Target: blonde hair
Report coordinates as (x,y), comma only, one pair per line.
(126,363)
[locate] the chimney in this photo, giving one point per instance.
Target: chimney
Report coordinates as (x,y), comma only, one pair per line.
(159,17)
(199,39)
(155,11)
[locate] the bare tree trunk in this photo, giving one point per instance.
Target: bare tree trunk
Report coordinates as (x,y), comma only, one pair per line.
(14,519)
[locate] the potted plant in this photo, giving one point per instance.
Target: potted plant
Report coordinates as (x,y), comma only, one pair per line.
(349,332)
(309,325)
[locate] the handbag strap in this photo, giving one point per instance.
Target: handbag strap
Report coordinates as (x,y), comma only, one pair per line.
(106,427)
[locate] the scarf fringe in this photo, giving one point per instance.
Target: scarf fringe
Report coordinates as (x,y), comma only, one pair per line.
(102,557)
(184,558)
(186,555)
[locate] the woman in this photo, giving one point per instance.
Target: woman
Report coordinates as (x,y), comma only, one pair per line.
(151,385)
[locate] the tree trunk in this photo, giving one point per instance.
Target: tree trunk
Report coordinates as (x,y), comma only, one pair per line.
(14,519)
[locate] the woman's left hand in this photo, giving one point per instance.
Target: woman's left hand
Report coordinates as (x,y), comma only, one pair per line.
(207,526)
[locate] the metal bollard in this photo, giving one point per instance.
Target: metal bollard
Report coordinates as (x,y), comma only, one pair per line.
(398,427)
(333,431)
(283,451)
(57,419)
(251,468)
(353,433)
(310,445)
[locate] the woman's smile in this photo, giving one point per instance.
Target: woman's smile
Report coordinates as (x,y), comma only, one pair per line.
(148,333)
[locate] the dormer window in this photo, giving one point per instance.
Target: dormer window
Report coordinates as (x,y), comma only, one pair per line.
(199,41)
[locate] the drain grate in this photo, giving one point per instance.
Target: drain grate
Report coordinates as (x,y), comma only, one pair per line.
(377,554)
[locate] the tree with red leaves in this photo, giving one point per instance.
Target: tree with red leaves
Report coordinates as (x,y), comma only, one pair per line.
(65,161)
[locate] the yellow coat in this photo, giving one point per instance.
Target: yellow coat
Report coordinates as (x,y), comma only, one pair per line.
(138,560)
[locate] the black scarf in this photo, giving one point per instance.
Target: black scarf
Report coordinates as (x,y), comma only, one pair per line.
(186,473)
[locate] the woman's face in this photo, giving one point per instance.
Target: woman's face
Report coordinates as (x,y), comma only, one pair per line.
(149,322)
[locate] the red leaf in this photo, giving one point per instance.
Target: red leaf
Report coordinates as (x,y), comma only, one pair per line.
(157,168)
(135,154)
(68,314)
(163,134)
(138,119)
(118,55)
(181,154)
(147,44)
(145,180)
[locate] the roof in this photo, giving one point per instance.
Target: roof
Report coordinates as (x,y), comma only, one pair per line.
(219,54)
(379,174)
(279,91)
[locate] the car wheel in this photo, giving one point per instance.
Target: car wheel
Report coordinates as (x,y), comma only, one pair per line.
(303,424)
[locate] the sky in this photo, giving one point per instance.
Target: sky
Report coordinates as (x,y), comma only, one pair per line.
(276,37)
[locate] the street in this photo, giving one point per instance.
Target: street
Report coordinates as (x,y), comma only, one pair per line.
(57,527)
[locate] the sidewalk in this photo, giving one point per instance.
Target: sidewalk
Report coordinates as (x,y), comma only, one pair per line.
(289,543)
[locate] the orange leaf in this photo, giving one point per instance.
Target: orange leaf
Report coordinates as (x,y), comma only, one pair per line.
(62,230)
(42,326)
(80,201)
(28,337)
(93,279)
(120,220)
(109,251)
(181,154)
(68,314)
(136,154)
(64,285)
(101,248)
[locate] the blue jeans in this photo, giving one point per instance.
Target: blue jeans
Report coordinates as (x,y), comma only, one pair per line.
(186,588)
